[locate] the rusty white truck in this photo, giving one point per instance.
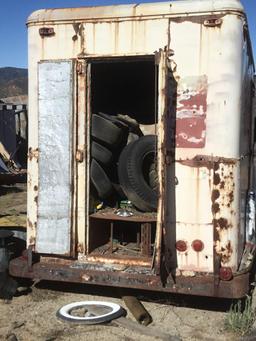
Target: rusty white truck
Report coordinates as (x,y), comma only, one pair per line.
(141,138)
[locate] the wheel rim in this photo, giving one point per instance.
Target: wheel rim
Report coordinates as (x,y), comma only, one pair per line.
(91,316)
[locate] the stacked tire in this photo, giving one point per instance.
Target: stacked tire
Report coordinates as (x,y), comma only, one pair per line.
(118,167)
(108,136)
(137,173)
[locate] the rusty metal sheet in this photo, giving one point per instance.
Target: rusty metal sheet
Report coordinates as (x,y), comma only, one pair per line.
(128,261)
(225,211)
(209,212)
(137,278)
(55,146)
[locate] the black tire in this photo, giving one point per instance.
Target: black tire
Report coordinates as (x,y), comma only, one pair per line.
(153,176)
(8,286)
(101,154)
(106,131)
(133,172)
(100,180)
(124,121)
(113,118)
(133,125)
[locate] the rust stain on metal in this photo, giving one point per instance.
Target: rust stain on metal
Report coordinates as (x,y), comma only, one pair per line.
(225,252)
(221,223)
(64,270)
(216,179)
(231,196)
(36,199)
(82,36)
(76,29)
(198,19)
(208,161)
(222,210)
(33,154)
(222,199)
(222,184)
(30,224)
(215,208)
(128,261)
(80,248)
(35,188)
(215,194)
(32,241)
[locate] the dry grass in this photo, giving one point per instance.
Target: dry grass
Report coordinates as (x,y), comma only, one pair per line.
(241,317)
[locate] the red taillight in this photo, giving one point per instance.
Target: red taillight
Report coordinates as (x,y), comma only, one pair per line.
(181,245)
(197,245)
(226,273)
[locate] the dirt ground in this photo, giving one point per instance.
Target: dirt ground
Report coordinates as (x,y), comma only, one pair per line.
(31,316)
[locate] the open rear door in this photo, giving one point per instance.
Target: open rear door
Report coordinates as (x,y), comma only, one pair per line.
(55,136)
(165,255)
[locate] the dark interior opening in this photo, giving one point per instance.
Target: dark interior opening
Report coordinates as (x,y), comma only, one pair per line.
(124,87)
(126,240)
(128,87)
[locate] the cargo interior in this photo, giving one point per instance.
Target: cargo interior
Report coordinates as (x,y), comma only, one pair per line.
(126,87)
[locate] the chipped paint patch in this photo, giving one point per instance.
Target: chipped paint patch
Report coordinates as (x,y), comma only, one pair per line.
(191,112)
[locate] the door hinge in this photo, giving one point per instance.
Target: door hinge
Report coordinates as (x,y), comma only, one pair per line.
(79,156)
(168,160)
(80,68)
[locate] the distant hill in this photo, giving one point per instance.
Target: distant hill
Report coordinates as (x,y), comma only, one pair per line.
(13,82)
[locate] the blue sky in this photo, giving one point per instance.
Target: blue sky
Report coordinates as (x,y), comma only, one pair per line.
(13,34)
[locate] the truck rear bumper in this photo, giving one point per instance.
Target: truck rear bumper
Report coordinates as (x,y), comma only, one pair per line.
(139,278)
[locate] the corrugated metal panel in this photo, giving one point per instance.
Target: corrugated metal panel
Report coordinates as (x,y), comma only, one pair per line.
(135,10)
(55,123)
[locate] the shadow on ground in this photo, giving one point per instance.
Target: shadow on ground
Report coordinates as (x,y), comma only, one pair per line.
(178,300)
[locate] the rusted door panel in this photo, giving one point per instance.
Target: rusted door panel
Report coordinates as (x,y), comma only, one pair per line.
(207,194)
(166,229)
(194,215)
(55,134)
(82,156)
(160,60)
